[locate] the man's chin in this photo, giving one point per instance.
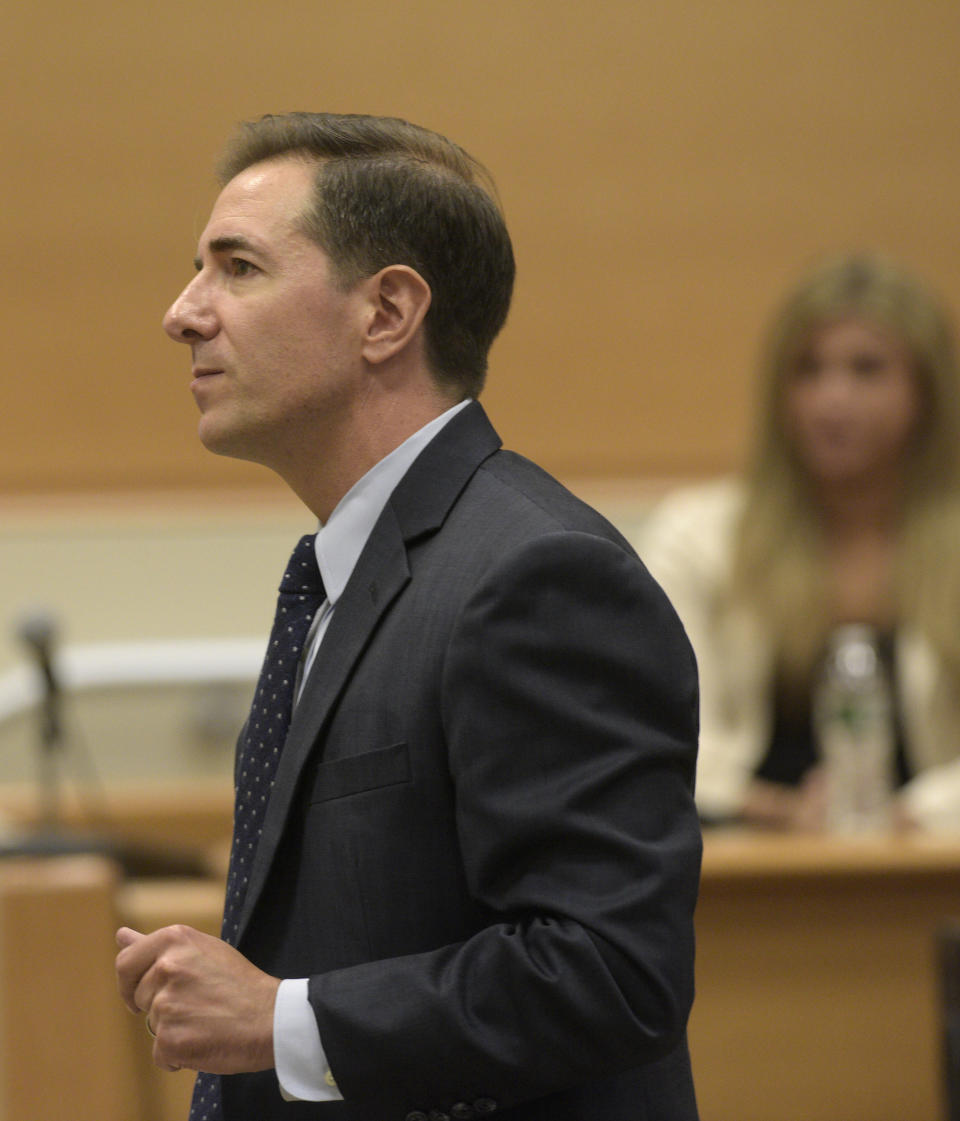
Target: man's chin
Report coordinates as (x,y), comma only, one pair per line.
(222,440)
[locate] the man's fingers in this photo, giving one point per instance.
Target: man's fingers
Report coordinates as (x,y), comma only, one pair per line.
(144,961)
(161,1061)
(130,969)
(209,1007)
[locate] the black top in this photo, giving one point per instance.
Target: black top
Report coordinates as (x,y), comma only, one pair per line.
(793,742)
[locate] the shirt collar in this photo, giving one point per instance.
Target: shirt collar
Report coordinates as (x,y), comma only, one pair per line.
(341,540)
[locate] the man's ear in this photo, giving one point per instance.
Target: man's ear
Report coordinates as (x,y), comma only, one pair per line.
(399,298)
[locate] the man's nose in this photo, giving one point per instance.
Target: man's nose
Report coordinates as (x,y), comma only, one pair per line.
(190,316)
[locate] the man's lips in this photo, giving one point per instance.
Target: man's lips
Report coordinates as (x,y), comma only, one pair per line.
(203,376)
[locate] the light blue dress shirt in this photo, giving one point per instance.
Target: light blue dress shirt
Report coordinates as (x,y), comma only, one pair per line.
(301,1064)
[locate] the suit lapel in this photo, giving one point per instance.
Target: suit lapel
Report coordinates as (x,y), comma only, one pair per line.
(419,505)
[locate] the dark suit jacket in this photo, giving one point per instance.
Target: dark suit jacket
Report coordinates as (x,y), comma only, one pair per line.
(482,846)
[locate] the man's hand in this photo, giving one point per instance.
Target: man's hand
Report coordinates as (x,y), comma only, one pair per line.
(209,1008)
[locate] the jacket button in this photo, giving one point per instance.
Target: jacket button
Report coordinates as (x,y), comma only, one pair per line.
(485,1105)
(462,1112)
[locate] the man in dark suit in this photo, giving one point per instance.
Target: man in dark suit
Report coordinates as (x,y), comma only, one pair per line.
(470,885)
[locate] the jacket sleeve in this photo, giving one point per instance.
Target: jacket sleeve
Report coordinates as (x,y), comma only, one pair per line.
(570,715)
(687,541)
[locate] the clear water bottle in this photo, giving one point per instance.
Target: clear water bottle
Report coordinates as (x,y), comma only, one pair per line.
(853,716)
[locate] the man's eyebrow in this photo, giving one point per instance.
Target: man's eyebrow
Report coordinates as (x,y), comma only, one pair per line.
(224,245)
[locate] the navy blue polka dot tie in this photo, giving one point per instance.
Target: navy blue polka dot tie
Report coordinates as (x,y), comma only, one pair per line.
(301,594)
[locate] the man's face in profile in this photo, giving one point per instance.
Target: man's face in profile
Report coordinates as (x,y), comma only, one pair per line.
(274,338)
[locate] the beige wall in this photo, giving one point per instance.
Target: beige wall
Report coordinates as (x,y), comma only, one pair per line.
(123,580)
(665,168)
(177,567)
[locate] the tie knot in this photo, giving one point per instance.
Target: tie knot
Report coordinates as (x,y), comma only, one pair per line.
(302,576)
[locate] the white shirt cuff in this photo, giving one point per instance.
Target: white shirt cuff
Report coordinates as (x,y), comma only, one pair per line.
(301,1064)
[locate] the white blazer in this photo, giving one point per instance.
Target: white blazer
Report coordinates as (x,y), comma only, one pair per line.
(687,543)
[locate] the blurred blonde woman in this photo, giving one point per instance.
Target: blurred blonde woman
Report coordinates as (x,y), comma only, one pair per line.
(849,512)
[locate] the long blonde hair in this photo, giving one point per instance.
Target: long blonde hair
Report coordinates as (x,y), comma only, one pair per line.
(779,558)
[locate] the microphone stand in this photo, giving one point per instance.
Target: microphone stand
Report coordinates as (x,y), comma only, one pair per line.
(51,751)
(51,837)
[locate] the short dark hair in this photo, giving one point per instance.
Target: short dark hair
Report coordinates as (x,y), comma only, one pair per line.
(388,192)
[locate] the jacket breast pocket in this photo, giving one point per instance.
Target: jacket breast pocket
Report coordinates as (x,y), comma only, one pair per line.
(338,778)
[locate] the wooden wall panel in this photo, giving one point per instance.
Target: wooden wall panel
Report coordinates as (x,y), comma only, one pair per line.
(666,169)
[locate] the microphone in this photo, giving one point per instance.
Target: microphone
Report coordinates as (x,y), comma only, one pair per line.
(37,630)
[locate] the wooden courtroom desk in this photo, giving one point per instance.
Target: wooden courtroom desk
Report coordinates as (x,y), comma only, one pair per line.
(816,988)
(68,1047)
(816,977)
(67,1051)
(194,814)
